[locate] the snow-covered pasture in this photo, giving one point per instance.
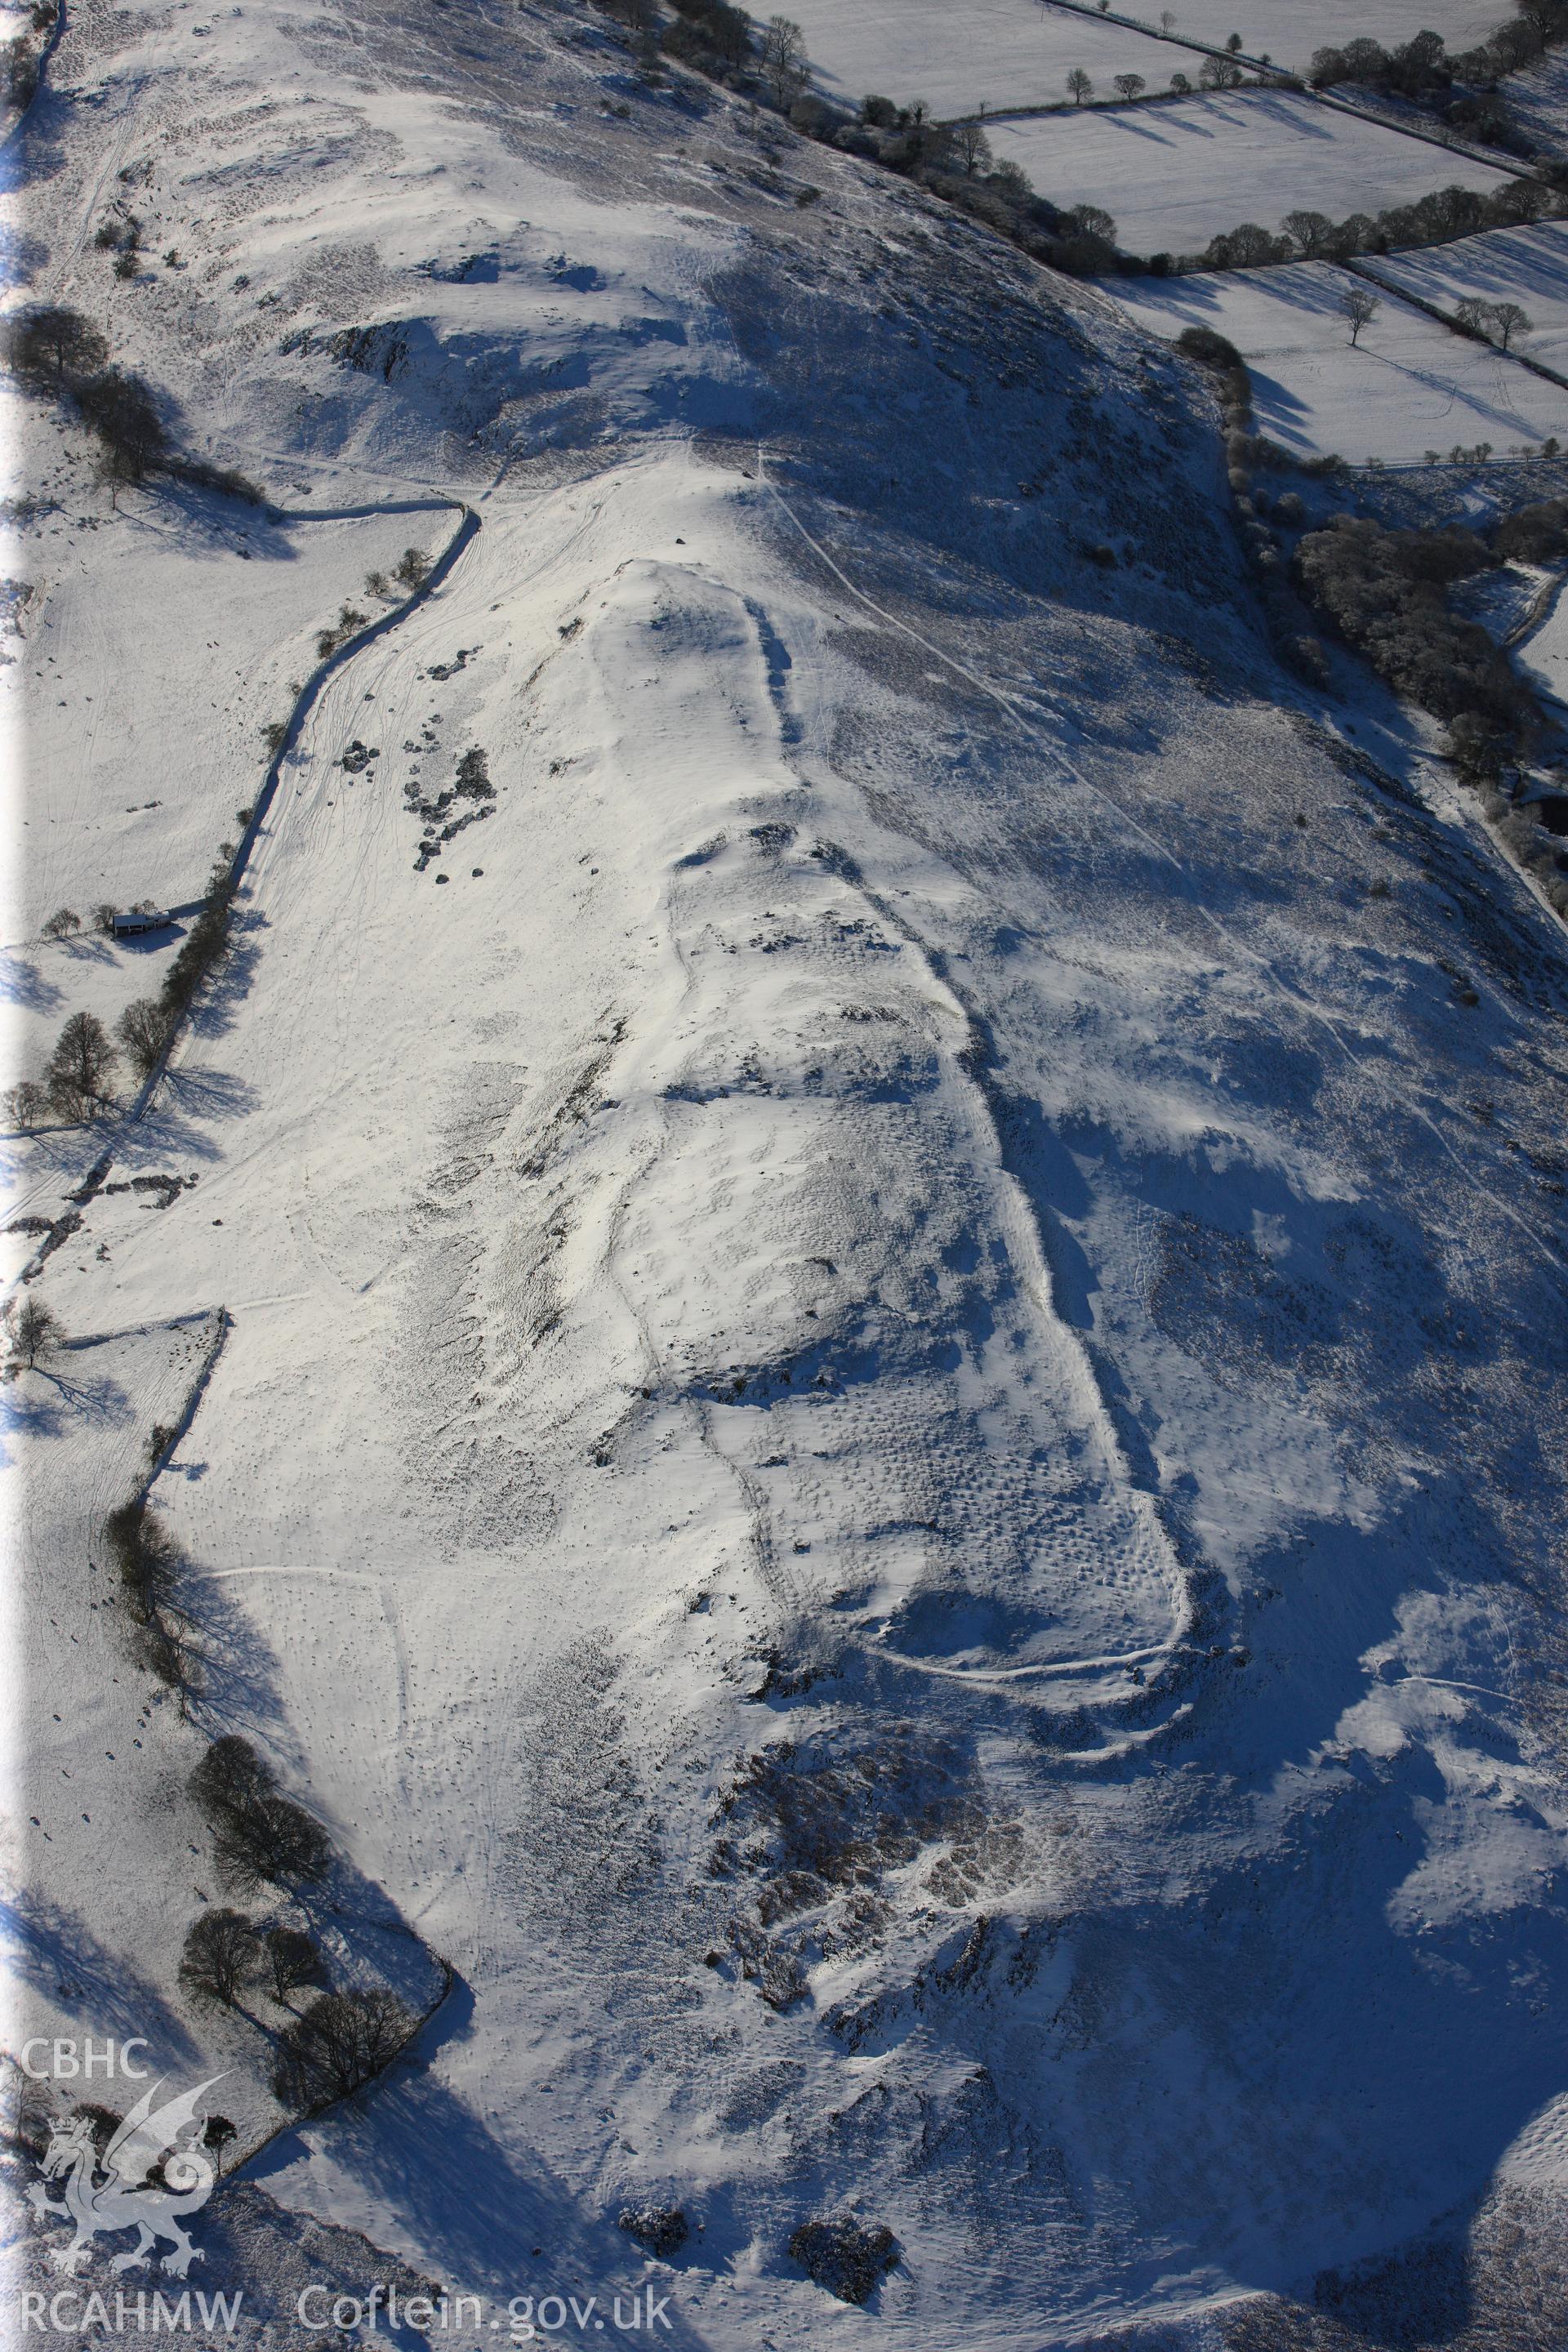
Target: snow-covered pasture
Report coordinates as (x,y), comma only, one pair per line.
(1527,266)
(1543,654)
(1408,386)
(1019,52)
(1171,176)
(103,1752)
(157,645)
(1287,31)
(997,53)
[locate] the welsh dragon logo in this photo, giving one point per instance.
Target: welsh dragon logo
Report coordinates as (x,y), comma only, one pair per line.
(119,2199)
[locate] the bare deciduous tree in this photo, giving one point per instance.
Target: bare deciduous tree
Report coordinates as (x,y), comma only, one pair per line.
(176,1664)
(1311,232)
(338,2044)
(231,1774)
(53,347)
(1358,306)
(972,147)
(82,1066)
(145,1554)
(35,1328)
(273,1840)
(62,923)
(1130,85)
(26,1103)
(220,1952)
(784,60)
(293,1961)
(143,1029)
(1079,85)
(123,413)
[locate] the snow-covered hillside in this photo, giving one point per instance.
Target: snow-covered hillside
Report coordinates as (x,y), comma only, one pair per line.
(888,1449)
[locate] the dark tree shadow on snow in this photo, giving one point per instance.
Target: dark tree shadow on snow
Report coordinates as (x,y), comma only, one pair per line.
(54,1951)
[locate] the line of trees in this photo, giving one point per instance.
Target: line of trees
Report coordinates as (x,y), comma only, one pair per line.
(339,2044)
(258,1834)
(1493,322)
(1246,450)
(225,1950)
(1214,73)
(413,567)
(1460,90)
(150,1565)
(954,161)
(1306,234)
(342,2039)
(720,41)
(146,1024)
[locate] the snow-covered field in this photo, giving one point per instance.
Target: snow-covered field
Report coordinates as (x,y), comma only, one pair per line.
(1004,53)
(126,778)
(997,53)
(1288,31)
(1408,386)
(1544,653)
(889,1450)
(1529,266)
(1173,176)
